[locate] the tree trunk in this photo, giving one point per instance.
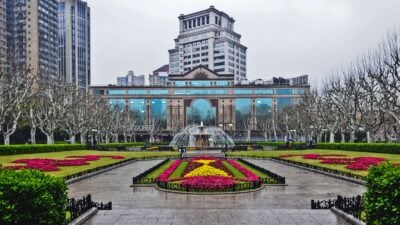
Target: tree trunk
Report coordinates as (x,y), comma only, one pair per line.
(125,138)
(72,139)
(332,137)
(7,139)
(116,138)
(343,139)
(368,137)
(83,139)
(33,135)
(107,138)
(248,138)
(50,138)
(352,136)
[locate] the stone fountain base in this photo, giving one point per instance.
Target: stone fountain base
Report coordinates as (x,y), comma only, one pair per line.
(202,153)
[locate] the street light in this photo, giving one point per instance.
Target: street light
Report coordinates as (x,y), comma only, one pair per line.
(94,131)
(324,131)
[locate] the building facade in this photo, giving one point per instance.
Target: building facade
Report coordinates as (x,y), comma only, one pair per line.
(131,80)
(201,95)
(159,76)
(208,38)
(3,37)
(74,38)
(32,41)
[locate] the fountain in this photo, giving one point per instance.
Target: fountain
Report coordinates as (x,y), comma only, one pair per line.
(202,136)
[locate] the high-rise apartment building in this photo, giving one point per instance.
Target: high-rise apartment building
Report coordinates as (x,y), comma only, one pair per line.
(32,36)
(130,80)
(3,42)
(74,39)
(208,38)
(159,76)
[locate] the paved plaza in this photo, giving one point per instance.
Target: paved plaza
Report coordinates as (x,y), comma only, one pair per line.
(285,205)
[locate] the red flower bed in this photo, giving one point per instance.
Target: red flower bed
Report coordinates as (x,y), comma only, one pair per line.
(363,163)
(208,183)
(250,176)
(166,173)
(343,161)
(48,165)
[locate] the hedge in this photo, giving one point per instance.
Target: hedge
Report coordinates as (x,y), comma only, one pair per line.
(115,145)
(31,197)
(39,148)
(362,147)
(382,199)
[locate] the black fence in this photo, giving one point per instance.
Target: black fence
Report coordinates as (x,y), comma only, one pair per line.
(187,188)
(77,207)
(140,179)
(351,205)
(274,178)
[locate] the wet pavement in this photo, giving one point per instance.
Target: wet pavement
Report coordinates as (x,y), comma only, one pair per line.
(284,205)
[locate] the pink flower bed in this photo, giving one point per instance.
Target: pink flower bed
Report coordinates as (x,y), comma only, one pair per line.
(250,176)
(357,163)
(48,165)
(208,183)
(166,173)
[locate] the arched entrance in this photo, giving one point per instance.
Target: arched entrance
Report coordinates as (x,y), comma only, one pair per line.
(201,110)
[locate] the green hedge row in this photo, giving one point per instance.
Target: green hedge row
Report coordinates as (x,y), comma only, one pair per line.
(39,148)
(115,145)
(31,197)
(382,199)
(362,147)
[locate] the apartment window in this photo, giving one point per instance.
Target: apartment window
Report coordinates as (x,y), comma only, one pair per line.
(190,24)
(216,20)
(208,19)
(202,20)
(198,21)
(194,23)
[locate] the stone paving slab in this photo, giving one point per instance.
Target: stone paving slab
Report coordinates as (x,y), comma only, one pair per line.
(272,205)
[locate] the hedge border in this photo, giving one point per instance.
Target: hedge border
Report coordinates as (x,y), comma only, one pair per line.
(39,148)
(362,147)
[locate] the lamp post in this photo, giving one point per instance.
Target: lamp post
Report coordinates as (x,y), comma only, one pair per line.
(94,131)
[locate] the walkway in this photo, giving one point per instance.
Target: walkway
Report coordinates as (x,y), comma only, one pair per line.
(284,205)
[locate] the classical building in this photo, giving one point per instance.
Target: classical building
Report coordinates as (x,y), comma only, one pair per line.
(32,40)
(74,39)
(159,76)
(202,95)
(3,42)
(208,38)
(130,80)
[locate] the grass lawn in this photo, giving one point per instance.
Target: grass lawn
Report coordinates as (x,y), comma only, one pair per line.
(393,158)
(234,171)
(155,173)
(7,160)
(179,171)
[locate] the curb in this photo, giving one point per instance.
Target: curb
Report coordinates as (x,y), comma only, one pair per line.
(348,179)
(349,218)
(82,219)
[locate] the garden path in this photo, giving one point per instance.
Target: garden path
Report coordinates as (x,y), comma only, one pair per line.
(285,205)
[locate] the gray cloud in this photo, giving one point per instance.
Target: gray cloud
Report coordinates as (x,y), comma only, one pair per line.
(284,37)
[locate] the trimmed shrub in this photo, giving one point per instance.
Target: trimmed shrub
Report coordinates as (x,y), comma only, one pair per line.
(382,199)
(362,147)
(115,145)
(40,148)
(31,197)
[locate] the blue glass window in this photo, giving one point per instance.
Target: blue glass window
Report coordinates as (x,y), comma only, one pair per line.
(158,92)
(201,110)
(298,91)
(201,83)
(116,92)
(284,91)
(201,92)
(263,108)
(264,91)
(243,91)
(180,83)
(222,83)
(283,102)
(137,92)
(242,112)
(158,109)
(138,109)
(117,103)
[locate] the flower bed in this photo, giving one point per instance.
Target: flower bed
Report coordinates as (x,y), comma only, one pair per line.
(357,163)
(207,174)
(48,165)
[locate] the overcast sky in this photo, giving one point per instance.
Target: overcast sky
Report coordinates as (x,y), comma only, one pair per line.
(284,37)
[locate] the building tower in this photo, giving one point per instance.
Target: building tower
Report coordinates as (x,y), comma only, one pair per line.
(208,38)
(159,76)
(74,39)
(32,36)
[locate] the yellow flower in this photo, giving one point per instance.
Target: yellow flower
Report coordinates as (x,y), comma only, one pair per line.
(205,171)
